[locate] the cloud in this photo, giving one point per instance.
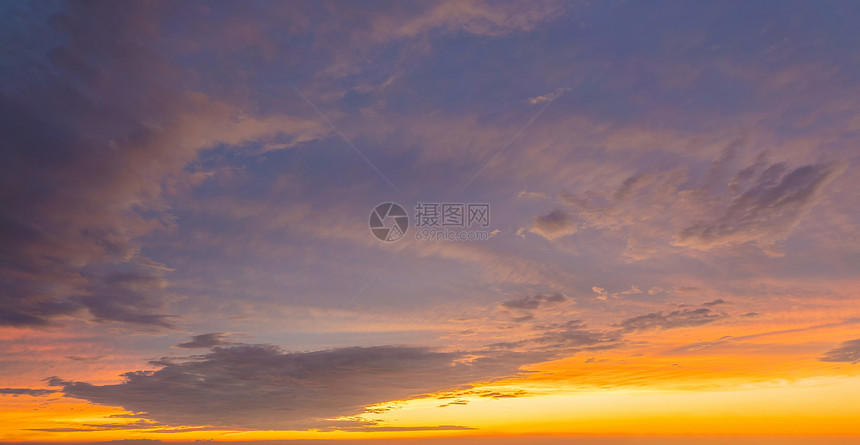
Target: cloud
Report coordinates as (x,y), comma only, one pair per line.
(127,296)
(204,341)
(140,424)
(766,212)
(716,302)
(27,391)
(549,97)
(659,210)
(93,145)
(413,27)
(78,358)
(262,386)
(472,16)
(848,352)
(600,292)
(456,397)
(603,295)
(574,334)
(524,309)
(535,301)
(561,339)
(555,224)
(675,319)
(453,403)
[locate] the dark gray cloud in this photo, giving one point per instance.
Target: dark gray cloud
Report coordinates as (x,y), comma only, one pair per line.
(261,386)
(675,319)
(716,302)
(767,211)
(627,187)
(535,301)
(554,339)
(574,334)
(27,391)
(127,296)
(71,181)
(553,225)
(204,341)
(848,352)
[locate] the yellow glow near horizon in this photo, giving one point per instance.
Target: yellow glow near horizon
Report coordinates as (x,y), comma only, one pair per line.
(824,405)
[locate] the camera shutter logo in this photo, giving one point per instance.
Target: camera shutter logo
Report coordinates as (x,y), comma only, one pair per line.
(394,228)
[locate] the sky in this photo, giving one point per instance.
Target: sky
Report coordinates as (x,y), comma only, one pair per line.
(625,222)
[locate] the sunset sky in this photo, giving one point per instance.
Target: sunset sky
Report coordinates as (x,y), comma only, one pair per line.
(670,252)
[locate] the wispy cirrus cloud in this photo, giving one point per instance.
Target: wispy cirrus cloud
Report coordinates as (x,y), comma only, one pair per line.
(764,213)
(848,352)
(205,341)
(549,97)
(683,318)
(535,301)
